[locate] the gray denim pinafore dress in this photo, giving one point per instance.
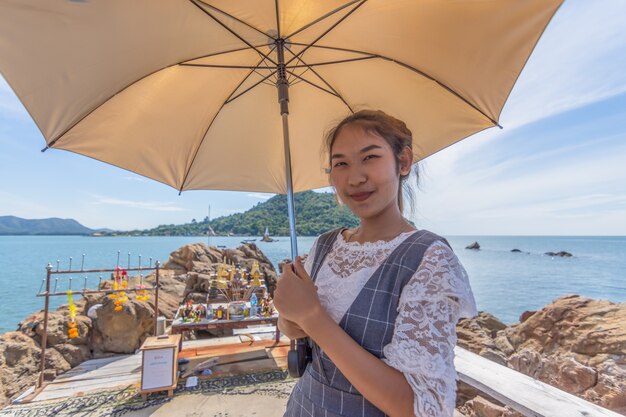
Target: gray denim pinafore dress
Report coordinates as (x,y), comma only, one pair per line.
(323,391)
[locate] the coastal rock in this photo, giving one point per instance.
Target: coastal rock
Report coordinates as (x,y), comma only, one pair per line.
(473,246)
(481,407)
(479,332)
(561,254)
(197,283)
(185,257)
(19,364)
(575,343)
(196,261)
(57,327)
(526,315)
(134,322)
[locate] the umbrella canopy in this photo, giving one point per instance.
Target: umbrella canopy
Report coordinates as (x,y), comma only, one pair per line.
(184,91)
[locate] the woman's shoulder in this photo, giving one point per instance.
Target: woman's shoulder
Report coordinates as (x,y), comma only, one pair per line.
(429,238)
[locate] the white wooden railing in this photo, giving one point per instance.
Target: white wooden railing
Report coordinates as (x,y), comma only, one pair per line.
(530,397)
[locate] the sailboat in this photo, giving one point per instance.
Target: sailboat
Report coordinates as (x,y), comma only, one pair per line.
(266,236)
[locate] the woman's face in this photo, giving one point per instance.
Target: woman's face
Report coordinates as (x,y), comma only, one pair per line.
(364,172)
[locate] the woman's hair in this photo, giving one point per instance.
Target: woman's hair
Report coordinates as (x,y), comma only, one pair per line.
(393,131)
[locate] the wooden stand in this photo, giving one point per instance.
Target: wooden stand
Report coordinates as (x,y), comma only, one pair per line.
(159,365)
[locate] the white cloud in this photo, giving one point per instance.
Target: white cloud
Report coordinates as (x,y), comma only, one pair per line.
(260,196)
(144,205)
(579,60)
(136,178)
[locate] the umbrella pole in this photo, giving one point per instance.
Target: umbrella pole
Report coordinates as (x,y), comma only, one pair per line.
(283,98)
(290,204)
(298,355)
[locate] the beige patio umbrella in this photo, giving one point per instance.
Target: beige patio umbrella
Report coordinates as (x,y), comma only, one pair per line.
(185,91)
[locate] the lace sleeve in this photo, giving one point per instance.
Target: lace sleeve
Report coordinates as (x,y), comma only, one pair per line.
(422,347)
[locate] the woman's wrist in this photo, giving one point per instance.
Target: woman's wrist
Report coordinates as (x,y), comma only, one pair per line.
(314,321)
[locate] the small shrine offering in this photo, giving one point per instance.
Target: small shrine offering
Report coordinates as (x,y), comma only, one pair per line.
(190,312)
(234,294)
(238,310)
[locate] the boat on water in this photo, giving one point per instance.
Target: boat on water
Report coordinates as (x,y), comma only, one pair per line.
(248,241)
(266,236)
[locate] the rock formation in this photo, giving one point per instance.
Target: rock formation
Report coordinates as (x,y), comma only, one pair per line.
(576,344)
(473,246)
(561,254)
(112,332)
(195,263)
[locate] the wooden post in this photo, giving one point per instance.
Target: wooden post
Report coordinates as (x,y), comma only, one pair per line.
(44,336)
(156,297)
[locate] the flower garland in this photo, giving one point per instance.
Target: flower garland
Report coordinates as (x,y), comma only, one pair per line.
(72,329)
(119,283)
(142,293)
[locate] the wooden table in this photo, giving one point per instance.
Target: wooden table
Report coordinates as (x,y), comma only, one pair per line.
(180,328)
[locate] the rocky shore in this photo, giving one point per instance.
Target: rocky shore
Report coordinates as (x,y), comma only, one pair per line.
(112,332)
(576,344)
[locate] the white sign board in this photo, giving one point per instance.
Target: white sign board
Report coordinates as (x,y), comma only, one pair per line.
(158,368)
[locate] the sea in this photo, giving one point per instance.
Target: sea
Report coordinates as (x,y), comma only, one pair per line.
(504,283)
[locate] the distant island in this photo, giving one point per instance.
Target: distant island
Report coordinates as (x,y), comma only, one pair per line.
(316,213)
(11,225)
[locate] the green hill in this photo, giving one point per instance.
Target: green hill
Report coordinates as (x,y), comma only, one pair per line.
(316,213)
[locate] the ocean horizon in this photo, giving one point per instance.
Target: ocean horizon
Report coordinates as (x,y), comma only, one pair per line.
(504,283)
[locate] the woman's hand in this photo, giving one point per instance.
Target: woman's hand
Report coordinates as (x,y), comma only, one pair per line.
(295,296)
(290,329)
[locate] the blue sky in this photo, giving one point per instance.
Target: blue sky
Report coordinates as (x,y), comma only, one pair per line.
(557,168)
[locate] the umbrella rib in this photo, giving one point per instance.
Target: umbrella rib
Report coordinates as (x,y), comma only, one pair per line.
(449,89)
(233,98)
(235,18)
(223,53)
(271,50)
(238,36)
(339,61)
(55,140)
(334,48)
(319,19)
(313,84)
(420,72)
(336,93)
(327,31)
(226,66)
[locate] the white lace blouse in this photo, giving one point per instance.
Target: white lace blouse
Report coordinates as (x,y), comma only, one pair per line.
(431,303)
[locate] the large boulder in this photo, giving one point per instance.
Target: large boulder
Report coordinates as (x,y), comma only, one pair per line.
(473,246)
(193,257)
(194,264)
(575,343)
(19,364)
(122,331)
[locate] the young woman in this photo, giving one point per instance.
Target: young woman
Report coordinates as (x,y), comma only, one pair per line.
(379,302)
